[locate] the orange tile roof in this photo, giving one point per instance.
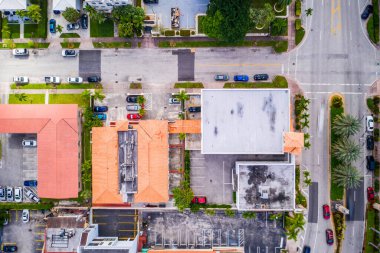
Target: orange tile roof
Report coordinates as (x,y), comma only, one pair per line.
(293,142)
(213,250)
(185,126)
(152,162)
(56,127)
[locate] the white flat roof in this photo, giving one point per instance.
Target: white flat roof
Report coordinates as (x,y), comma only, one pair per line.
(244,121)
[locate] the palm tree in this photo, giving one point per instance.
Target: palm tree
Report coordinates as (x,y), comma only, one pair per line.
(305,123)
(59,28)
(346,125)
(309,12)
(21,96)
(182,95)
(86,95)
(182,136)
(141,100)
(297,221)
(346,150)
(94,14)
(278,25)
(292,235)
(347,176)
(99,95)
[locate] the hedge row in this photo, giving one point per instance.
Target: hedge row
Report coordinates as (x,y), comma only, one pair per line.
(20,206)
(298,8)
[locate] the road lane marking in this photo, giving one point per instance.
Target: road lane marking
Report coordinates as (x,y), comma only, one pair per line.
(336,84)
(320,35)
(282,68)
(354,196)
(241,65)
(335,10)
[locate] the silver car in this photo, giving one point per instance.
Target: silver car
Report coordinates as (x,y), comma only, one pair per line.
(29,194)
(133,107)
(77,80)
(2,194)
(9,193)
(20,79)
(18,194)
(20,51)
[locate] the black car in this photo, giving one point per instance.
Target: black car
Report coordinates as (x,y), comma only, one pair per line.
(260,77)
(367,11)
(306,249)
(56,12)
(94,79)
(9,248)
(73,26)
(371,164)
(370,142)
(100,108)
(132,98)
(84,21)
(195,109)
(151,1)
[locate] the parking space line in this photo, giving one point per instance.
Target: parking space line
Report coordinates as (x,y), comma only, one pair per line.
(126,222)
(127,230)
(130,215)
(99,215)
(101,223)
(40,225)
(40,233)
(39,240)
(125,238)
(197,186)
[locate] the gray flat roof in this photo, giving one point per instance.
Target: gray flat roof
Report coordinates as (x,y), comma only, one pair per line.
(265,186)
(244,121)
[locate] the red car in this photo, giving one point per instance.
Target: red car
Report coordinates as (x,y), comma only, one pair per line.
(133,116)
(329,237)
(370,194)
(199,200)
(326,212)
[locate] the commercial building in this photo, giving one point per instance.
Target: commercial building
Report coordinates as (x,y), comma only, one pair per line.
(61,5)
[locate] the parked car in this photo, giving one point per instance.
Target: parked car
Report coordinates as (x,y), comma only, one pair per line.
(370,142)
(133,116)
(195,109)
(84,21)
(18,194)
(133,107)
(94,79)
(326,211)
(306,249)
(370,194)
(329,237)
(56,12)
(199,200)
(9,248)
(260,77)
(29,194)
(52,26)
(20,79)
(2,194)
(29,143)
(52,79)
(371,164)
(25,215)
(6,218)
(367,11)
(221,77)
(150,1)
(9,193)
(69,53)
(73,26)
(101,116)
(241,78)
(100,108)
(174,101)
(20,52)
(31,183)
(369,123)
(75,80)
(132,98)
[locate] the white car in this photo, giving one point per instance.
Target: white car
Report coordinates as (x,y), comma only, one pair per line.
(25,215)
(29,194)
(77,80)
(174,101)
(69,53)
(20,51)
(18,194)
(20,79)
(29,143)
(369,123)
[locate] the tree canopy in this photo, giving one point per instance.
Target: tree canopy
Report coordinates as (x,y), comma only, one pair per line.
(33,11)
(129,19)
(227,20)
(71,15)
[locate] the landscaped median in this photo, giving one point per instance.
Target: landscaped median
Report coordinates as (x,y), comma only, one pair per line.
(278,82)
(278,46)
(373,23)
(23,98)
(8,44)
(188,85)
(70,45)
(112,44)
(38,86)
(31,206)
(372,222)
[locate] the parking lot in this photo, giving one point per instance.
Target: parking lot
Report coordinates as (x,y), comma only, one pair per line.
(116,222)
(211,175)
(188,9)
(18,163)
(90,62)
(28,237)
(188,230)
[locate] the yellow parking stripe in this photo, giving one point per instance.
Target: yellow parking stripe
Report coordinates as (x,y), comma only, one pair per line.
(40,233)
(125,238)
(40,225)
(39,240)
(127,230)
(16,215)
(97,215)
(126,222)
(130,215)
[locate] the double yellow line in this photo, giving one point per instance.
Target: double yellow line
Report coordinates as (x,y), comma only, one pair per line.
(335,12)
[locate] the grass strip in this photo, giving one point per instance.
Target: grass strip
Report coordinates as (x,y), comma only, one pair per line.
(70,44)
(28,99)
(69,35)
(37,86)
(189,85)
(112,44)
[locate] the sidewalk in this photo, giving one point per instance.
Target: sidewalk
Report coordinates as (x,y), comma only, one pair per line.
(291,26)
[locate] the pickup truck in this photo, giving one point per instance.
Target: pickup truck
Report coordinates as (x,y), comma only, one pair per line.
(52,79)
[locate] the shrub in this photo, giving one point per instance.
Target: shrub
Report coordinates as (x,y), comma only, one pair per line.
(71,14)
(299,35)
(135,86)
(169,32)
(376,100)
(298,23)
(233,193)
(249,215)
(337,102)
(176,32)
(192,32)
(20,206)
(280,82)
(376,185)
(339,228)
(298,8)
(184,32)
(375,16)
(210,212)
(376,134)
(194,208)
(230,213)
(372,106)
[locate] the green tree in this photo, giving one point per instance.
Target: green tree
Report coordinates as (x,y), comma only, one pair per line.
(21,96)
(283,3)
(278,26)
(292,234)
(6,30)
(182,95)
(346,125)
(347,176)
(230,213)
(182,136)
(275,216)
(71,14)
(262,17)
(227,20)
(249,215)
(141,100)
(309,12)
(95,15)
(34,12)
(183,195)
(130,20)
(59,28)
(22,13)
(346,150)
(99,95)
(90,120)
(86,95)
(86,193)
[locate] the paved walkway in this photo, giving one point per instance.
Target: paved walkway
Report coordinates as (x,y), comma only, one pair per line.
(48,91)
(291,26)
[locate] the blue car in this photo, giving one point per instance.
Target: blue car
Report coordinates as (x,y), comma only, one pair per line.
(100,108)
(100,116)
(52,26)
(31,183)
(241,78)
